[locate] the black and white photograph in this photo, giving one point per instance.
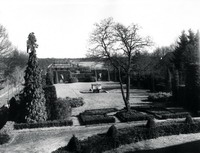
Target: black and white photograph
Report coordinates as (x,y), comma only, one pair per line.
(99,76)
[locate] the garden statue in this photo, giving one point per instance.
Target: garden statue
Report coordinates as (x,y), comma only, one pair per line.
(31,42)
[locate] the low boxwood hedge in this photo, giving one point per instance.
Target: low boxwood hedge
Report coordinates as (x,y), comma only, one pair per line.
(132,115)
(55,123)
(86,119)
(101,142)
(99,111)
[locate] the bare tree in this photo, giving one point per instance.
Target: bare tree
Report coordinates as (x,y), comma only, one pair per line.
(5,44)
(118,44)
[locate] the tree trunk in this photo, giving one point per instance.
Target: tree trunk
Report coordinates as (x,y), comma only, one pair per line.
(127,105)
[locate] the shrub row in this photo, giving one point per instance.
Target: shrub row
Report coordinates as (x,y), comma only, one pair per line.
(99,111)
(102,142)
(132,115)
(55,123)
(160,97)
(86,119)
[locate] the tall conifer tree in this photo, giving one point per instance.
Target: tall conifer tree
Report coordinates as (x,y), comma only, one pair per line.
(33,94)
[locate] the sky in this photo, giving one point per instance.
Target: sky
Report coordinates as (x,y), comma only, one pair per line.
(63,27)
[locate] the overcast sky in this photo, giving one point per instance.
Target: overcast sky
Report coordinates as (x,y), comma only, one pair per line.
(62,27)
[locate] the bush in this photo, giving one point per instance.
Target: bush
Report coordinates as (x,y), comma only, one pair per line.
(16,109)
(62,110)
(189,120)
(73,145)
(75,102)
(4,115)
(73,80)
(151,123)
(160,97)
(55,123)
(51,97)
(49,78)
(86,119)
(99,111)
(112,132)
(132,115)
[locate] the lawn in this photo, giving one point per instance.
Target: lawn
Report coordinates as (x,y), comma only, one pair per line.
(111,99)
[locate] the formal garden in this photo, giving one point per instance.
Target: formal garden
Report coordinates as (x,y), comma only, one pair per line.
(131,107)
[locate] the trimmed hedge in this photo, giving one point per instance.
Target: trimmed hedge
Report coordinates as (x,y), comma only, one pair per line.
(86,119)
(55,123)
(132,115)
(101,142)
(99,111)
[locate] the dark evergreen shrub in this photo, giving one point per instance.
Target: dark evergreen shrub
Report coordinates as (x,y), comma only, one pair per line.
(112,132)
(33,94)
(62,110)
(51,97)
(73,80)
(74,145)
(49,78)
(17,108)
(4,115)
(150,123)
(189,120)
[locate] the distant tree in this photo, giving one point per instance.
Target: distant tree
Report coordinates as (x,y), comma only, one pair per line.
(118,44)
(5,44)
(15,59)
(33,94)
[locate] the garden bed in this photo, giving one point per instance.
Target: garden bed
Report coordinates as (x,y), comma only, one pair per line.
(132,115)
